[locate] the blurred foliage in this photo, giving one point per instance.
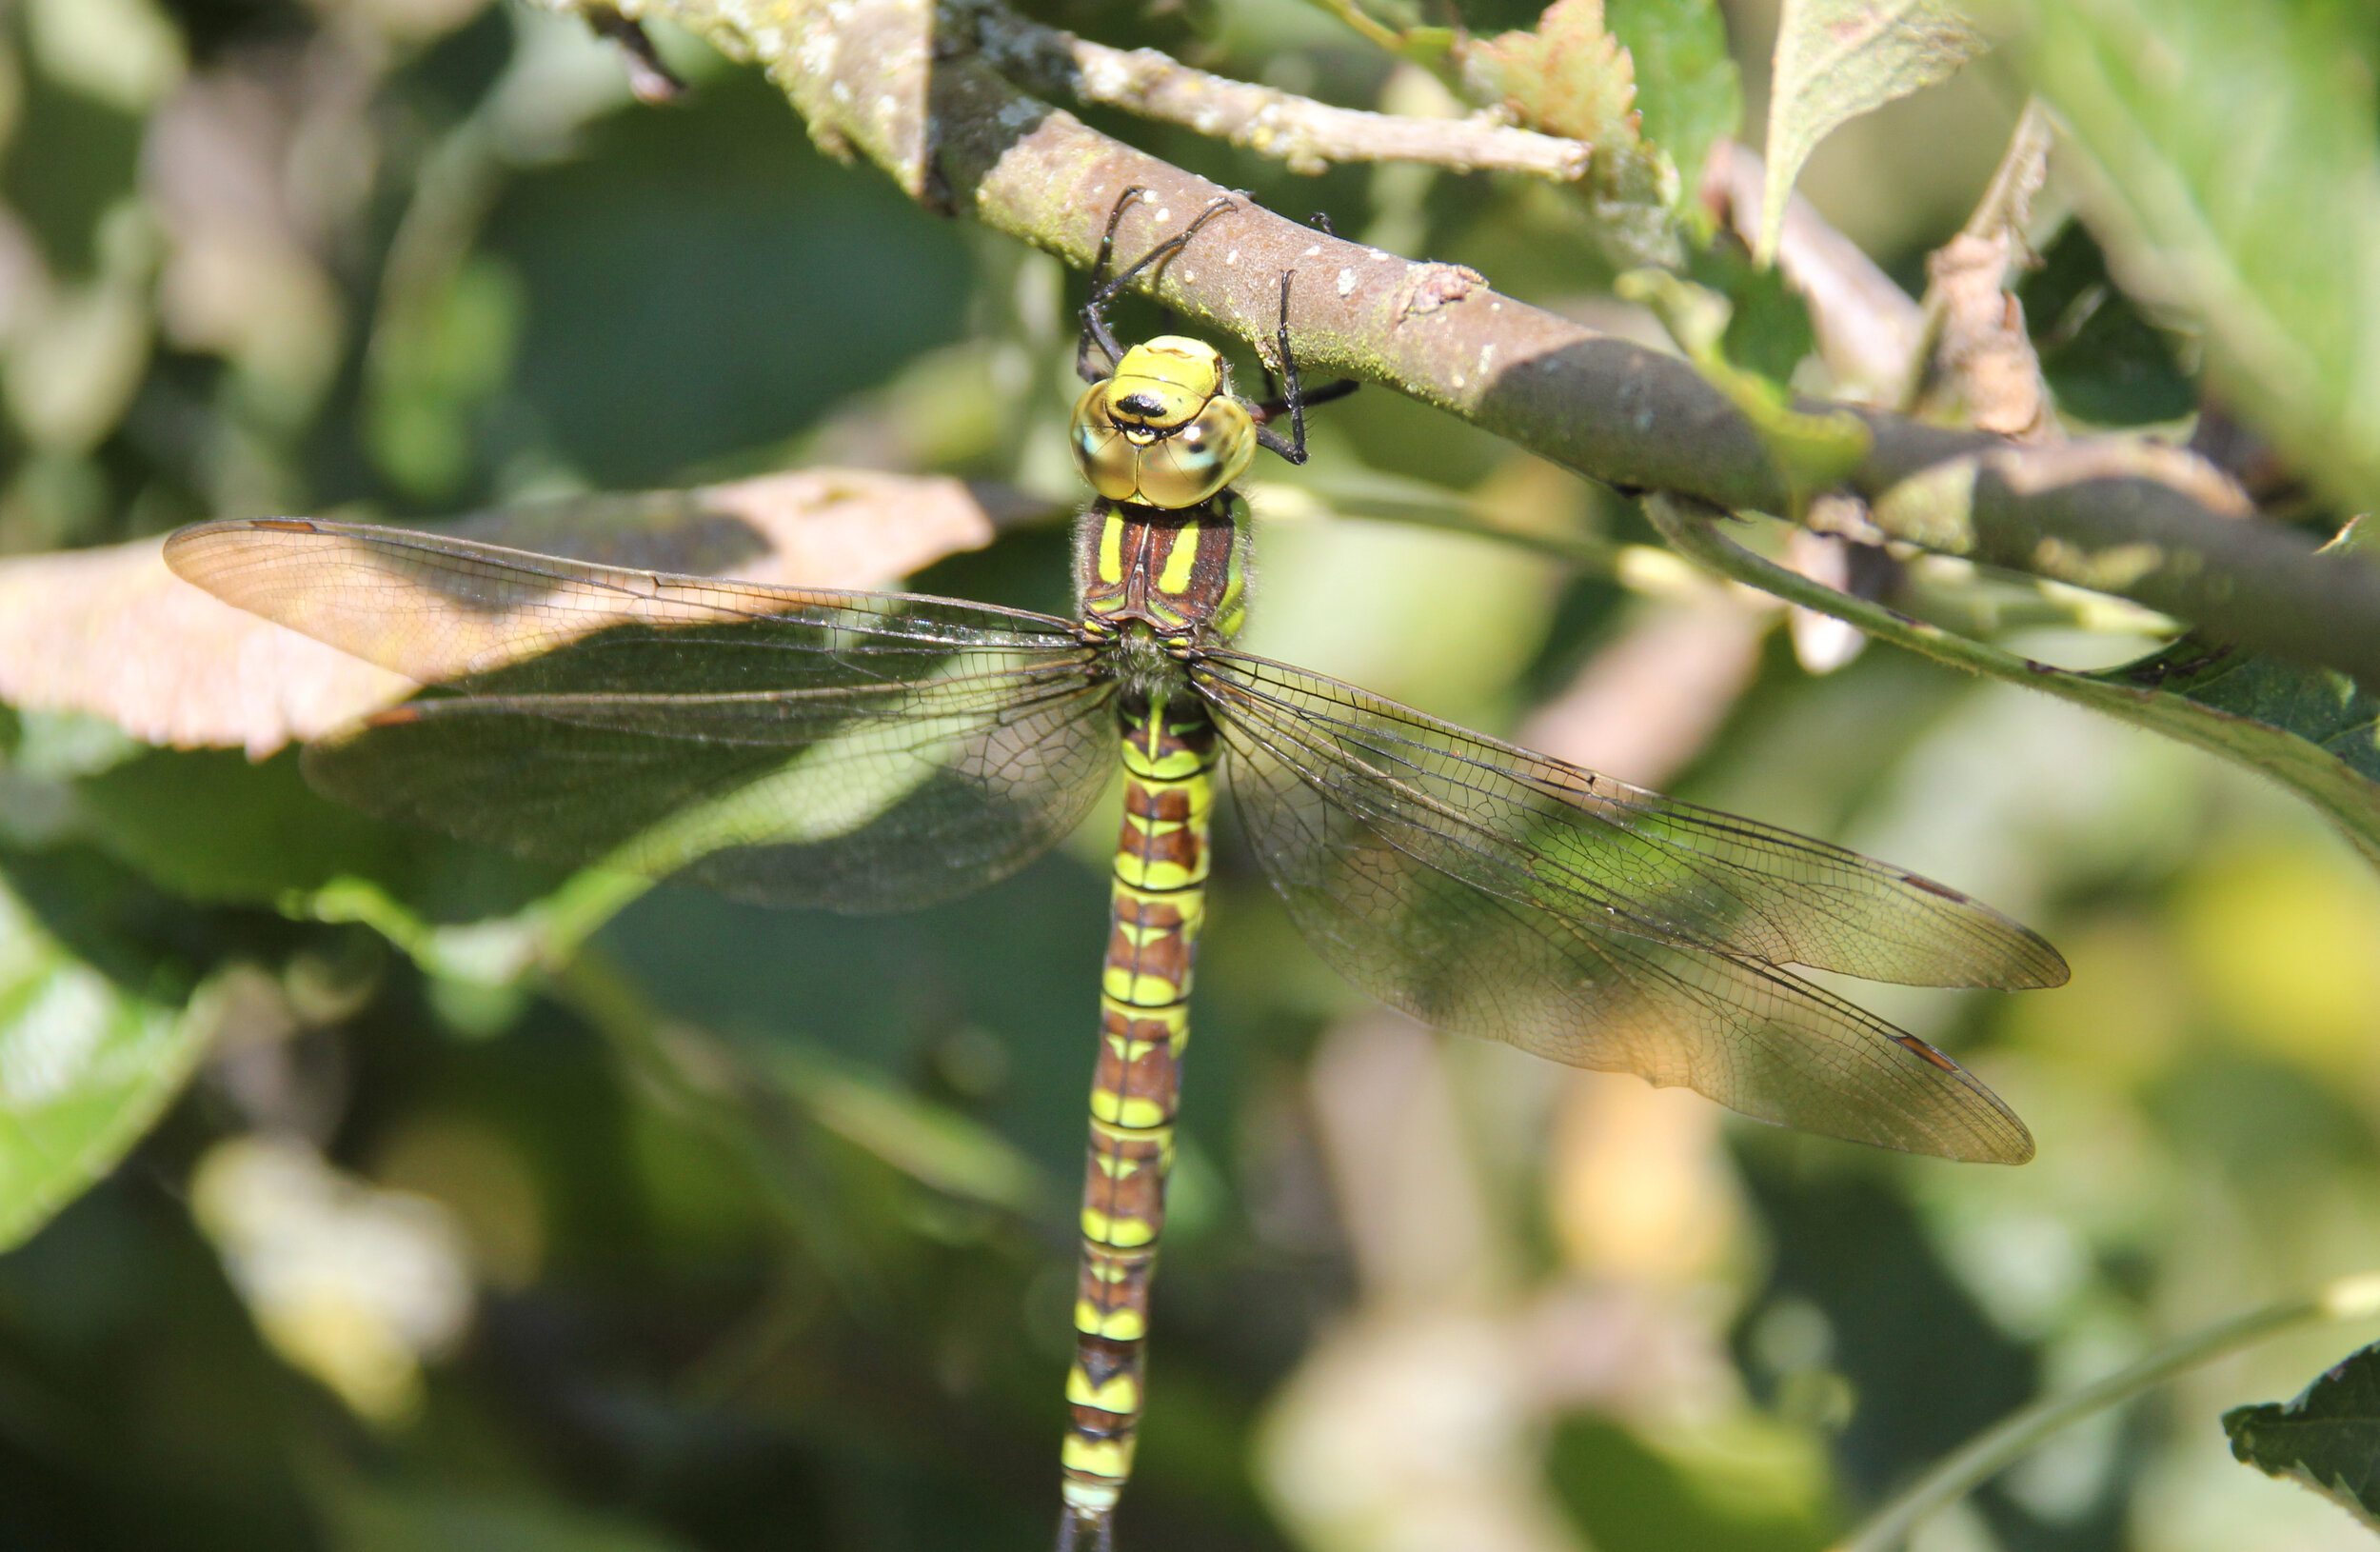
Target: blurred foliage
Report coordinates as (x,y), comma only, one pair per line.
(2232,167)
(741,1230)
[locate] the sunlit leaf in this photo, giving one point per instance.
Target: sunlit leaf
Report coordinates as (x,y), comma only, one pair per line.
(2237,183)
(1837,59)
(1568,77)
(84,1068)
(2328,1438)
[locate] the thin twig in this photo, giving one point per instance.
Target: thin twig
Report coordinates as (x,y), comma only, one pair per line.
(2097,513)
(1306,135)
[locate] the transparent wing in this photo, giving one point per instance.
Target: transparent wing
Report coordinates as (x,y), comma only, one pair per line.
(1498,892)
(859,752)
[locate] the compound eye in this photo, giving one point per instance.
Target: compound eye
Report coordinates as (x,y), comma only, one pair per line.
(1202,458)
(1108,461)
(1183,469)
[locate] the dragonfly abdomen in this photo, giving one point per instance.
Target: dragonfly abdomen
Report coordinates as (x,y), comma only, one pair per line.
(1158,901)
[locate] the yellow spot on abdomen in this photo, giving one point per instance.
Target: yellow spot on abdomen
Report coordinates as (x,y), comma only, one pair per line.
(1120,1395)
(1115,1324)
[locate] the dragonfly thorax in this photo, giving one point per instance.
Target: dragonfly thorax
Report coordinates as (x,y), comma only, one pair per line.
(1164,429)
(1179,575)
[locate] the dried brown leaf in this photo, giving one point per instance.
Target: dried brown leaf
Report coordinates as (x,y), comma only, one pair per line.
(112,633)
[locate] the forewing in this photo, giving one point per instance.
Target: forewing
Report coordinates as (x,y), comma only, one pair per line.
(857,751)
(1496,893)
(440,610)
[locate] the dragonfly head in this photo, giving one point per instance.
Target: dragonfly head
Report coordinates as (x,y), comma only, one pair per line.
(1165,430)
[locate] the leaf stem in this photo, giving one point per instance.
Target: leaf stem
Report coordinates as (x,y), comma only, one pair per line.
(2008,1441)
(2339,794)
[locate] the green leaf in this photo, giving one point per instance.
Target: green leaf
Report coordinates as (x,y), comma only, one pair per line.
(2328,1438)
(433,363)
(1688,95)
(2103,361)
(930,1143)
(1769,330)
(2234,176)
(264,833)
(84,1068)
(1424,45)
(1837,59)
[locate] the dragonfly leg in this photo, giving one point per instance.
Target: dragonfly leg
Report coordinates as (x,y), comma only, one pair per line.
(1293,399)
(1095,329)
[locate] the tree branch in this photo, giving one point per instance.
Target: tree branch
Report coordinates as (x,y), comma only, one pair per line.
(2145,522)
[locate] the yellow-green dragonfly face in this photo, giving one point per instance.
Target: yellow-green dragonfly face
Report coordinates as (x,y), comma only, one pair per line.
(1165,430)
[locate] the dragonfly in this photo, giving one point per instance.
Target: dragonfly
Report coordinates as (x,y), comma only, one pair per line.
(863,751)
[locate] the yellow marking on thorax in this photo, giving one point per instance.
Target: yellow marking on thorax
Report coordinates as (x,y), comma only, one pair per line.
(1231,611)
(1112,548)
(1181,561)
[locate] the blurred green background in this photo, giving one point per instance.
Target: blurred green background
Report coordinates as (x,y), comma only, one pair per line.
(759,1234)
